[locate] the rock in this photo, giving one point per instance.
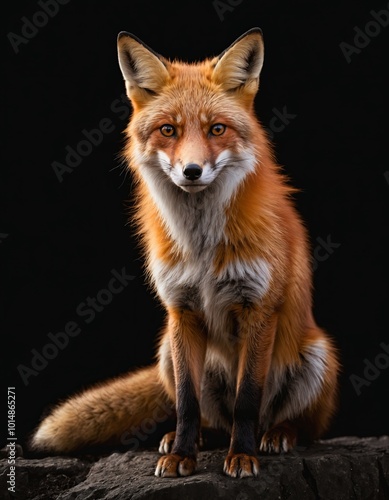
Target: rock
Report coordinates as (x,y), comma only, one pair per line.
(342,469)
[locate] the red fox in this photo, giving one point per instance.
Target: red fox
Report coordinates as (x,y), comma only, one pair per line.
(228,257)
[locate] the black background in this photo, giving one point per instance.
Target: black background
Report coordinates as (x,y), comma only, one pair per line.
(64,238)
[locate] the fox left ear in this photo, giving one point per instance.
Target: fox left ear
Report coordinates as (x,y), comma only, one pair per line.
(239,66)
(144,70)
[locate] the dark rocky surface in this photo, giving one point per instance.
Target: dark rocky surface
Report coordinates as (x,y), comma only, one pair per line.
(339,469)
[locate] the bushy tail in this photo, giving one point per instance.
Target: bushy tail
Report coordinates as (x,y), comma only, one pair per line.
(105,414)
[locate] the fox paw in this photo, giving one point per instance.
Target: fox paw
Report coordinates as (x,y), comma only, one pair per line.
(279,439)
(175,465)
(241,465)
(166,444)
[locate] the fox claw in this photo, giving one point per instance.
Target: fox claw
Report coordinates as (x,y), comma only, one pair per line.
(174,466)
(166,444)
(279,439)
(241,465)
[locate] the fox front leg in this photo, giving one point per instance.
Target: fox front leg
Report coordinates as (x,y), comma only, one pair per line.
(256,338)
(188,344)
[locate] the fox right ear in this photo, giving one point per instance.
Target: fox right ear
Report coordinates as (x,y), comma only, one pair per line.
(143,69)
(238,67)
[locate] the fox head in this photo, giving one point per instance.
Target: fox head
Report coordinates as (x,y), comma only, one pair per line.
(192,123)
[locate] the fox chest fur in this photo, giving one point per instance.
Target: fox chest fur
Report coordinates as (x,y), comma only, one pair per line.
(196,225)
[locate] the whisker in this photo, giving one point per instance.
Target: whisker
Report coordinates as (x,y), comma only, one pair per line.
(166,163)
(229,162)
(122,165)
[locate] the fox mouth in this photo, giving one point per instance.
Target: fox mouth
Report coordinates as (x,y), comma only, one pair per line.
(192,188)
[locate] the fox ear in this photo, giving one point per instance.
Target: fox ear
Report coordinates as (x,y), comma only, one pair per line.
(239,66)
(143,69)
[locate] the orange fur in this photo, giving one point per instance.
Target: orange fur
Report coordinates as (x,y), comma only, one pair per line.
(228,256)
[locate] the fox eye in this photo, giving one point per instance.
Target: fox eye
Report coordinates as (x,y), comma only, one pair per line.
(218,129)
(167,130)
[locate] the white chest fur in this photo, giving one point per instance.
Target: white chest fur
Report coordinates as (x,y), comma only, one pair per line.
(193,282)
(196,223)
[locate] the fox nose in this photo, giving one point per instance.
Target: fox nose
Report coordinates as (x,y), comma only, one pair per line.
(192,171)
